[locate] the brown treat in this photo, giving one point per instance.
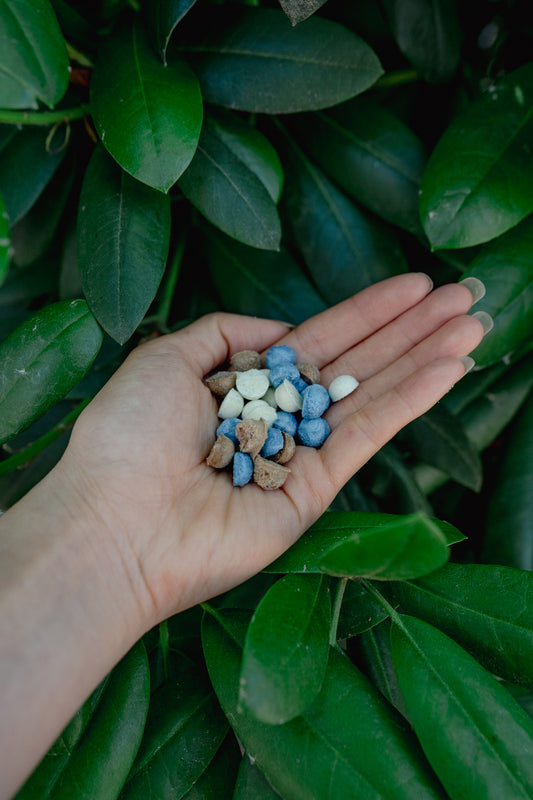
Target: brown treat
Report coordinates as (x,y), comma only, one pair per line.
(287,451)
(221,382)
(244,360)
(221,453)
(309,372)
(269,475)
(252,434)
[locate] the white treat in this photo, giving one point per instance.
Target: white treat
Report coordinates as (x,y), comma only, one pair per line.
(288,397)
(270,397)
(231,406)
(252,384)
(258,409)
(342,386)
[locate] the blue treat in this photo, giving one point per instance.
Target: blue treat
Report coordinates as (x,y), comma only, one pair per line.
(284,371)
(286,422)
(313,432)
(243,469)
(273,444)
(316,400)
(227,427)
(280,354)
(300,384)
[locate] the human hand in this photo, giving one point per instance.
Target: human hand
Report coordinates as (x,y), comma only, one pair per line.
(182,532)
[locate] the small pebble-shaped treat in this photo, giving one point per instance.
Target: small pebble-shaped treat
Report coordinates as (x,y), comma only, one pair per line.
(270,397)
(280,354)
(313,432)
(243,469)
(309,372)
(258,409)
(269,475)
(315,401)
(252,384)
(252,434)
(286,422)
(221,382)
(273,443)
(342,386)
(288,397)
(227,427)
(221,453)
(300,384)
(283,372)
(287,451)
(232,405)
(244,360)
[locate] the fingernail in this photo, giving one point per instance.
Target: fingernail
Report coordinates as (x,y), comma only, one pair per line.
(429,280)
(475,287)
(288,324)
(485,319)
(468,363)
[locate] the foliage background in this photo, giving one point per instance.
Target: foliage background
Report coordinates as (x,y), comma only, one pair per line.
(160,160)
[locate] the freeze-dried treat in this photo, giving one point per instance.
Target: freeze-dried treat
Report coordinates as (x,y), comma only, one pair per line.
(221,453)
(313,432)
(252,384)
(259,409)
(231,405)
(273,444)
(243,469)
(252,434)
(280,354)
(288,397)
(309,372)
(287,451)
(316,401)
(342,386)
(221,382)
(268,474)
(245,359)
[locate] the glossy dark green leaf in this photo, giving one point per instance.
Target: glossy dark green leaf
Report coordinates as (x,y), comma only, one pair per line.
(330,750)
(223,185)
(123,239)
(253,60)
(359,544)
(372,155)
(34,62)
(486,609)
(438,438)
(509,528)
(506,268)
(218,780)
(42,360)
(261,283)
(163,18)
(344,249)
(477,738)
(391,477)
(476,184)
(77,28)
(252,783)
(298,10)
(5,243)
(286,649)
(184,729)
(26,166)
(359,611)
(149,116)
(428,34)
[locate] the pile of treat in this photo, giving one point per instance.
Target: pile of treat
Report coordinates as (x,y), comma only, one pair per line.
(266,410)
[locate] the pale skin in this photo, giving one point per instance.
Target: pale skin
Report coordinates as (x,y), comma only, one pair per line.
(132,526)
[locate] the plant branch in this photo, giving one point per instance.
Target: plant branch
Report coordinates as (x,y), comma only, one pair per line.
(15,117)
(341,586)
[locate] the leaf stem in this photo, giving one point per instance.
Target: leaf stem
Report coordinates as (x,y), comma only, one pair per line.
(160,318)
(18,459)
(397,78)
(335,614)
(376,594)
(164,645)
(15,117)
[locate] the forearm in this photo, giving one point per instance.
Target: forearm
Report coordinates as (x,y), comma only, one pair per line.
(66,617)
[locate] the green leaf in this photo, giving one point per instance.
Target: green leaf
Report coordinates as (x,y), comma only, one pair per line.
(438,438)
(344,249)
(506,268)
(393,478)
(5,243)
(34,62)
(123,240)
(42,360)
(371,652)
(359,611)
(163,19)
(476,185)
(252,783)
(475,735)
(26,166)
(183,732)
(222,184)
(428,34)
(286,649)
(487,609)
(253,60)
(261,283)
(149,116)
(330,750)
(369,543)
(508,533)
(218,780)
(298,10)
(372,155)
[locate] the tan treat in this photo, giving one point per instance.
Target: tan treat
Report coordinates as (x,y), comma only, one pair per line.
(252,434)
(221,452)
(269,475)
(309,372)
(221,382)
(244,360)
(287,451)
